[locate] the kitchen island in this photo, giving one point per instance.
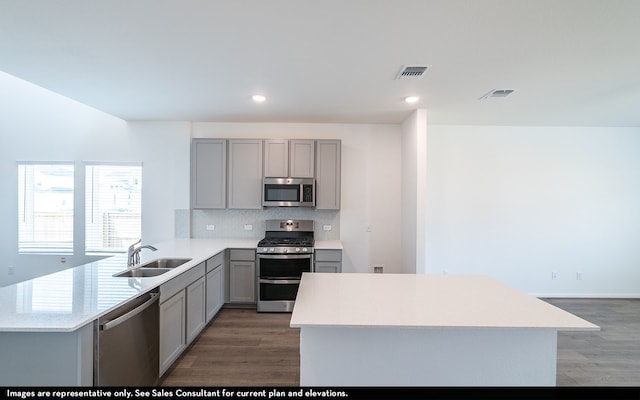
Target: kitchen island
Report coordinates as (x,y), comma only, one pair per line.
(425,330)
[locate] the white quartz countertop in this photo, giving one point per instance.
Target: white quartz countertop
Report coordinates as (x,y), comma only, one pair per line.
(327,245)
(69,299)
(423,301)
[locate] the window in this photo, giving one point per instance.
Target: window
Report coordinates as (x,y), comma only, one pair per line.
(45,208)
(113,206)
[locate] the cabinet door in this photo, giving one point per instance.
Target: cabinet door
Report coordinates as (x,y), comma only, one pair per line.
(302,158)
(195,309)
(172,330)
(276,158)
(327,267)
(245,174)
(215,292)
(242,278)
(208,173)
(328,174)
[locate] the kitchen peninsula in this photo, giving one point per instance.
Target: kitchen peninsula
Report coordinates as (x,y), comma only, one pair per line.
(425,330)
(47,323)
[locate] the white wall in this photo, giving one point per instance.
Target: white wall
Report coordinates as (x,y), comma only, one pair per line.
(517,203)
(38,125)
(371,172)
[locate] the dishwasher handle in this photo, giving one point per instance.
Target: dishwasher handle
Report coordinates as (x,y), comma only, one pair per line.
(117,321)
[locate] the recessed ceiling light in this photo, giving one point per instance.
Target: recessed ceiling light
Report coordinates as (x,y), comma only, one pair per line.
(258,98)
(411,99)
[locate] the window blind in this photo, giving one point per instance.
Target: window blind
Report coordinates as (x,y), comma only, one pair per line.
(113,202)
(45,207)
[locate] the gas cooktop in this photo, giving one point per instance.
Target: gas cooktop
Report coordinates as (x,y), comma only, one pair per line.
(285,245)
(287,237)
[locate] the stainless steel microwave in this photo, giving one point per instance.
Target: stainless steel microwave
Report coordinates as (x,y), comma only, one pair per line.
(289,192)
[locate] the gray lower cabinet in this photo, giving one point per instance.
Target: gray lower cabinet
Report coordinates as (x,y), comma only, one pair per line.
(172,330)
(214,285)
(328,261)
(328,159)
(195,309)
(242,276)
(182,313)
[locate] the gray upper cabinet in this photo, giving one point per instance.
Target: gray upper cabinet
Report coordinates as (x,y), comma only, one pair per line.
(301,158)
(245,174)
(289,158)
(208,173)
(328,174)
(276,158)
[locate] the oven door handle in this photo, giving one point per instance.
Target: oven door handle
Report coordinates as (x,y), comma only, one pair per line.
(280,281)
(284,256)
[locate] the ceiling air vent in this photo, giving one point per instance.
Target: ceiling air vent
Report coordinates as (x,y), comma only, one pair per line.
(497,94)
(413,72)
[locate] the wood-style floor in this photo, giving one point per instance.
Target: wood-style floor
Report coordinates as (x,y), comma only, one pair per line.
(244,348)
(241,347)
(609,357)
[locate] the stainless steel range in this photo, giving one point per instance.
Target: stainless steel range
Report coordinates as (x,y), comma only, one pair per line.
(285,253)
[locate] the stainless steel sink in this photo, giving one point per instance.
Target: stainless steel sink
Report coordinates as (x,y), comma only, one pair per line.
(142,272)
(153,268)
(165,263)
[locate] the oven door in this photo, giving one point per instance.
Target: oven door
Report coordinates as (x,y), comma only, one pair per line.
(278,289)
(279,279)
(285,266)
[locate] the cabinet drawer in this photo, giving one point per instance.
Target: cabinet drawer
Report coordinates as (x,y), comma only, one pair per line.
(181,281)
(242,255)
(328,255)
(215,261)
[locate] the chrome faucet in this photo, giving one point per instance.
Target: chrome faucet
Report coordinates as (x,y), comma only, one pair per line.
(133,253)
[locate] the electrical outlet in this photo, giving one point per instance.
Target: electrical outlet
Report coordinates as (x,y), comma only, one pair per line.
(326,227)
(10,270)
(578,276)
(378,268)
(554,275)
(210,227)
(248,227)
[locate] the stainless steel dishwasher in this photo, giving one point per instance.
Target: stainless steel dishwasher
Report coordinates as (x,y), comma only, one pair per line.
(126,349)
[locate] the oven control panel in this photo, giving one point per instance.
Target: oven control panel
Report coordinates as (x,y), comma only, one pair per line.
(284,250)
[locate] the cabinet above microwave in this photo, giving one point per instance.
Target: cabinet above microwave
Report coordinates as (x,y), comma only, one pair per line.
(292,158)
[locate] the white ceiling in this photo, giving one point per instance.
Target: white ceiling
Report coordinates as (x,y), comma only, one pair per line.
(573,62)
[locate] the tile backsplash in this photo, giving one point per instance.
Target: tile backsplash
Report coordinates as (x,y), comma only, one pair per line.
(250,224)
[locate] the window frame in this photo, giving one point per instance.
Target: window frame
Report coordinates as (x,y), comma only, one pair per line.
(23,189)
(88,203)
